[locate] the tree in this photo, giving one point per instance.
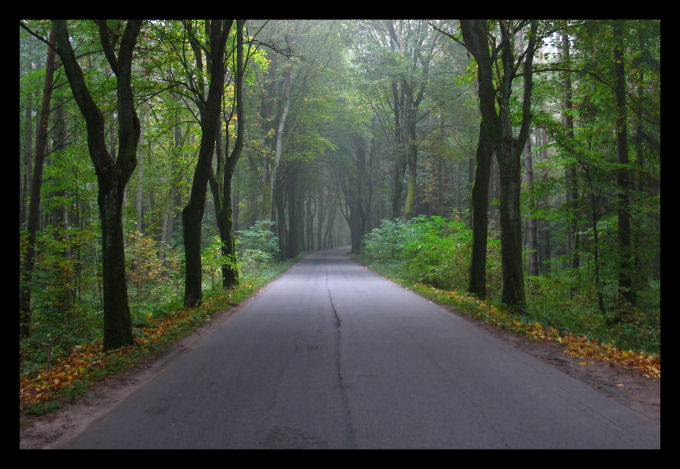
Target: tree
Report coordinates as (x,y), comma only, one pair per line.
(33,217)
(498,132)
(570,169)
(475,35)
(209,107)
(623,175)
(113,174)
(416,44)
(221,179)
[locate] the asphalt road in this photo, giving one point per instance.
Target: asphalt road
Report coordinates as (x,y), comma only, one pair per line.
(331,355)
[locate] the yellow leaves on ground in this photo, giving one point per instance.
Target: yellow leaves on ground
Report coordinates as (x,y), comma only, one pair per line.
(576,346)
(84,361)
(45,384)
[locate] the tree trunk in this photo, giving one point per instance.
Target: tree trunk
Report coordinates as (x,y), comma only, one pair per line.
(400,156)
(479,208)
(623,175)
(34,204)
(411,158)
(192,214)
(511,226)
(140,179)
(229,270)
(508,157)
(531,221)
(221,183)
(570,170)
(117,319)
(28,157)
(112,175)
(278,145)
(475,36)
(291,244)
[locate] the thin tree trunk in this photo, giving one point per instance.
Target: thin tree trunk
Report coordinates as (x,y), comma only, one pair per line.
(400,158)
(278,149)
(36,184)
(623,175)
(531,221)
(411,159)
(570,170)
(140,178)
(28,157)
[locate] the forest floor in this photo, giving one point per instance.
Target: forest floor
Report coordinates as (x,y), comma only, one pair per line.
(626,385)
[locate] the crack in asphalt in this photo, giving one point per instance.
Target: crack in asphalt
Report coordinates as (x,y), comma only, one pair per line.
(349,431)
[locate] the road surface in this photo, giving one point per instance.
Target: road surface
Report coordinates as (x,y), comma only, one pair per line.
(331,355)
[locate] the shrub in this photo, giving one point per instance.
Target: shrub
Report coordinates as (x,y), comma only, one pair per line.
(257,247)
(431,250)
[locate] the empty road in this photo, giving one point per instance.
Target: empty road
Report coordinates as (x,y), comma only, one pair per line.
(331,355)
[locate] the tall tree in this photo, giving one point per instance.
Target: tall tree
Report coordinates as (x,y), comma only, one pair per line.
(623,174)
(34,203)
(209,106)
(570,170)
(509,159)
(475,35)
(112,174)
(506,146)
(221,179)
(416,43)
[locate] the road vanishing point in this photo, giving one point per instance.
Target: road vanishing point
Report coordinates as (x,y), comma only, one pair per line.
(332,355)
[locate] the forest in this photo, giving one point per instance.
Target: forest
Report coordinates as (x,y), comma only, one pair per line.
(170,167)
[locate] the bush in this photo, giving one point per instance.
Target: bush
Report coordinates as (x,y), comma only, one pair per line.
(257,248)
(431,250)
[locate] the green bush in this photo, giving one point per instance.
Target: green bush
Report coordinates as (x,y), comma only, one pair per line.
(431,250)
(257,247)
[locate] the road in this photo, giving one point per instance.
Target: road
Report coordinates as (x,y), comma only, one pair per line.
(331,355)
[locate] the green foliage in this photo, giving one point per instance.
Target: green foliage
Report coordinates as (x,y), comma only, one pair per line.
(431,250)
(212,259)
(152,269)
(257,247)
